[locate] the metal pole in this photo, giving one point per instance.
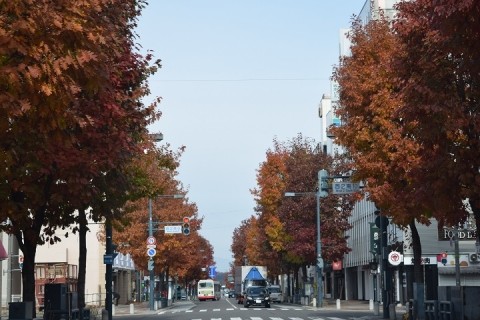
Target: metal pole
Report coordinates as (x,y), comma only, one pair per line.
(152,271)
(319,255)
(457,260)
(386,274)
(109,267)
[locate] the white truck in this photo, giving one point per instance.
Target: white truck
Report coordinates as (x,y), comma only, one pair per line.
(246,276)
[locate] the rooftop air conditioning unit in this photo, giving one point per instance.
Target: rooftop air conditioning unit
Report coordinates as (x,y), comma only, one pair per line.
(473,258)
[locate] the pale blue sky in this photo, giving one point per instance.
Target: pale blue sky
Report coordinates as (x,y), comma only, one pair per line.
(236,74)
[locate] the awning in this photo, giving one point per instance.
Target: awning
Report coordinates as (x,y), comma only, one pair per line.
(463,270)
(3,252)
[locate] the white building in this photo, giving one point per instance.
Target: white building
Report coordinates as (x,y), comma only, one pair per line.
(66,253)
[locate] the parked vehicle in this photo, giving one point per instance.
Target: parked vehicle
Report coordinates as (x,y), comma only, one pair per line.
(256,296)
(232,294)
(276,294)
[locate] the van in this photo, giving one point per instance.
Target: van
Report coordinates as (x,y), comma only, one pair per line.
(275,293)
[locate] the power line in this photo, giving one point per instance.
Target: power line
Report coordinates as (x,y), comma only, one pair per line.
(243,80)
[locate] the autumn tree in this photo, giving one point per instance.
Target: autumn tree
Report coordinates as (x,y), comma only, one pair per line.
(298,214)
(239,240)
(372,132)
(71,114)
(287,226)
(271,179)
(408,101)
(177,255)
(439,78)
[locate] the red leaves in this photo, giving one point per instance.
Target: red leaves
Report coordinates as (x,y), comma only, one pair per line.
(407,104)
(286,227)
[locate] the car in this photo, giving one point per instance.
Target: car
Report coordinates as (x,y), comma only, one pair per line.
(232,294)
(275,293)
(256,296)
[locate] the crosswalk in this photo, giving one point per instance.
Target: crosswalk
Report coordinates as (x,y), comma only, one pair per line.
(269,318)
(196,314)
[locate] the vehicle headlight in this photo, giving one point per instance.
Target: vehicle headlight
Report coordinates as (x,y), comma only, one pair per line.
(249,298)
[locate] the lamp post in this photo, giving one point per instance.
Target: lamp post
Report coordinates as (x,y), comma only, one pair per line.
(321,193)
(151,264)
(319,256)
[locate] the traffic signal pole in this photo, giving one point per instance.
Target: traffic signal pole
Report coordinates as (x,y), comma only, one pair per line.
(151,264)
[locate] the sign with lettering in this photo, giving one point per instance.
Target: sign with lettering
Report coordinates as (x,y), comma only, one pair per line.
(173,229)
(345,187)
(425,260)
(447,234)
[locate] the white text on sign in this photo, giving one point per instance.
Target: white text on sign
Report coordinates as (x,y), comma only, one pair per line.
(344,187)
(173,229)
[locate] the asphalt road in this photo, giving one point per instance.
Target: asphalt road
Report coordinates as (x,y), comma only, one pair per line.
(228,309)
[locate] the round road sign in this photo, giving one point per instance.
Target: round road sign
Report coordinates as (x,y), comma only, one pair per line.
(151,252)
(395,258)
(151,240)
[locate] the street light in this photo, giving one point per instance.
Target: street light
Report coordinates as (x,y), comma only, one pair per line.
(151,264)
(321,193)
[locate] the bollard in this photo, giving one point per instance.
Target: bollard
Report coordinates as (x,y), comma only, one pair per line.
(392,313)
(104,314)
(376,308)
(370,304)
(338,304)
(314,302)
(113,309)
(132,308)
(155,305)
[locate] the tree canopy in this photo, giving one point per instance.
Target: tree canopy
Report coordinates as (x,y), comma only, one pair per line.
(283,232)
(71,118)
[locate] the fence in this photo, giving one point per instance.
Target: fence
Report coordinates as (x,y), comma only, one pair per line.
(434,310)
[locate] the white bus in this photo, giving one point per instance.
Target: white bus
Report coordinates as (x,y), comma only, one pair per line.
(208,290)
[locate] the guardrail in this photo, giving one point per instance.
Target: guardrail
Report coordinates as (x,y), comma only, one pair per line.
(445,310)
(434,310)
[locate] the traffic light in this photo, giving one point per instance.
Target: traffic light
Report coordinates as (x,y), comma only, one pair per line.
(323,183)
(186,226)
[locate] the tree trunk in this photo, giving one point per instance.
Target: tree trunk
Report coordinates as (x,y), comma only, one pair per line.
(28,244)
(417,253)
(82,259)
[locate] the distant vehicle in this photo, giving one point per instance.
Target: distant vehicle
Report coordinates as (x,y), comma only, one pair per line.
(256,296)
(275,293)
(208,290)
(232,294)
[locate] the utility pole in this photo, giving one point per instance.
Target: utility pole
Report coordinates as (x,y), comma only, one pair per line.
(382,223)
(109,266)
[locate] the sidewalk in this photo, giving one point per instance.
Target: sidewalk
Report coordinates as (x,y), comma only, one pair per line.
(141,308)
